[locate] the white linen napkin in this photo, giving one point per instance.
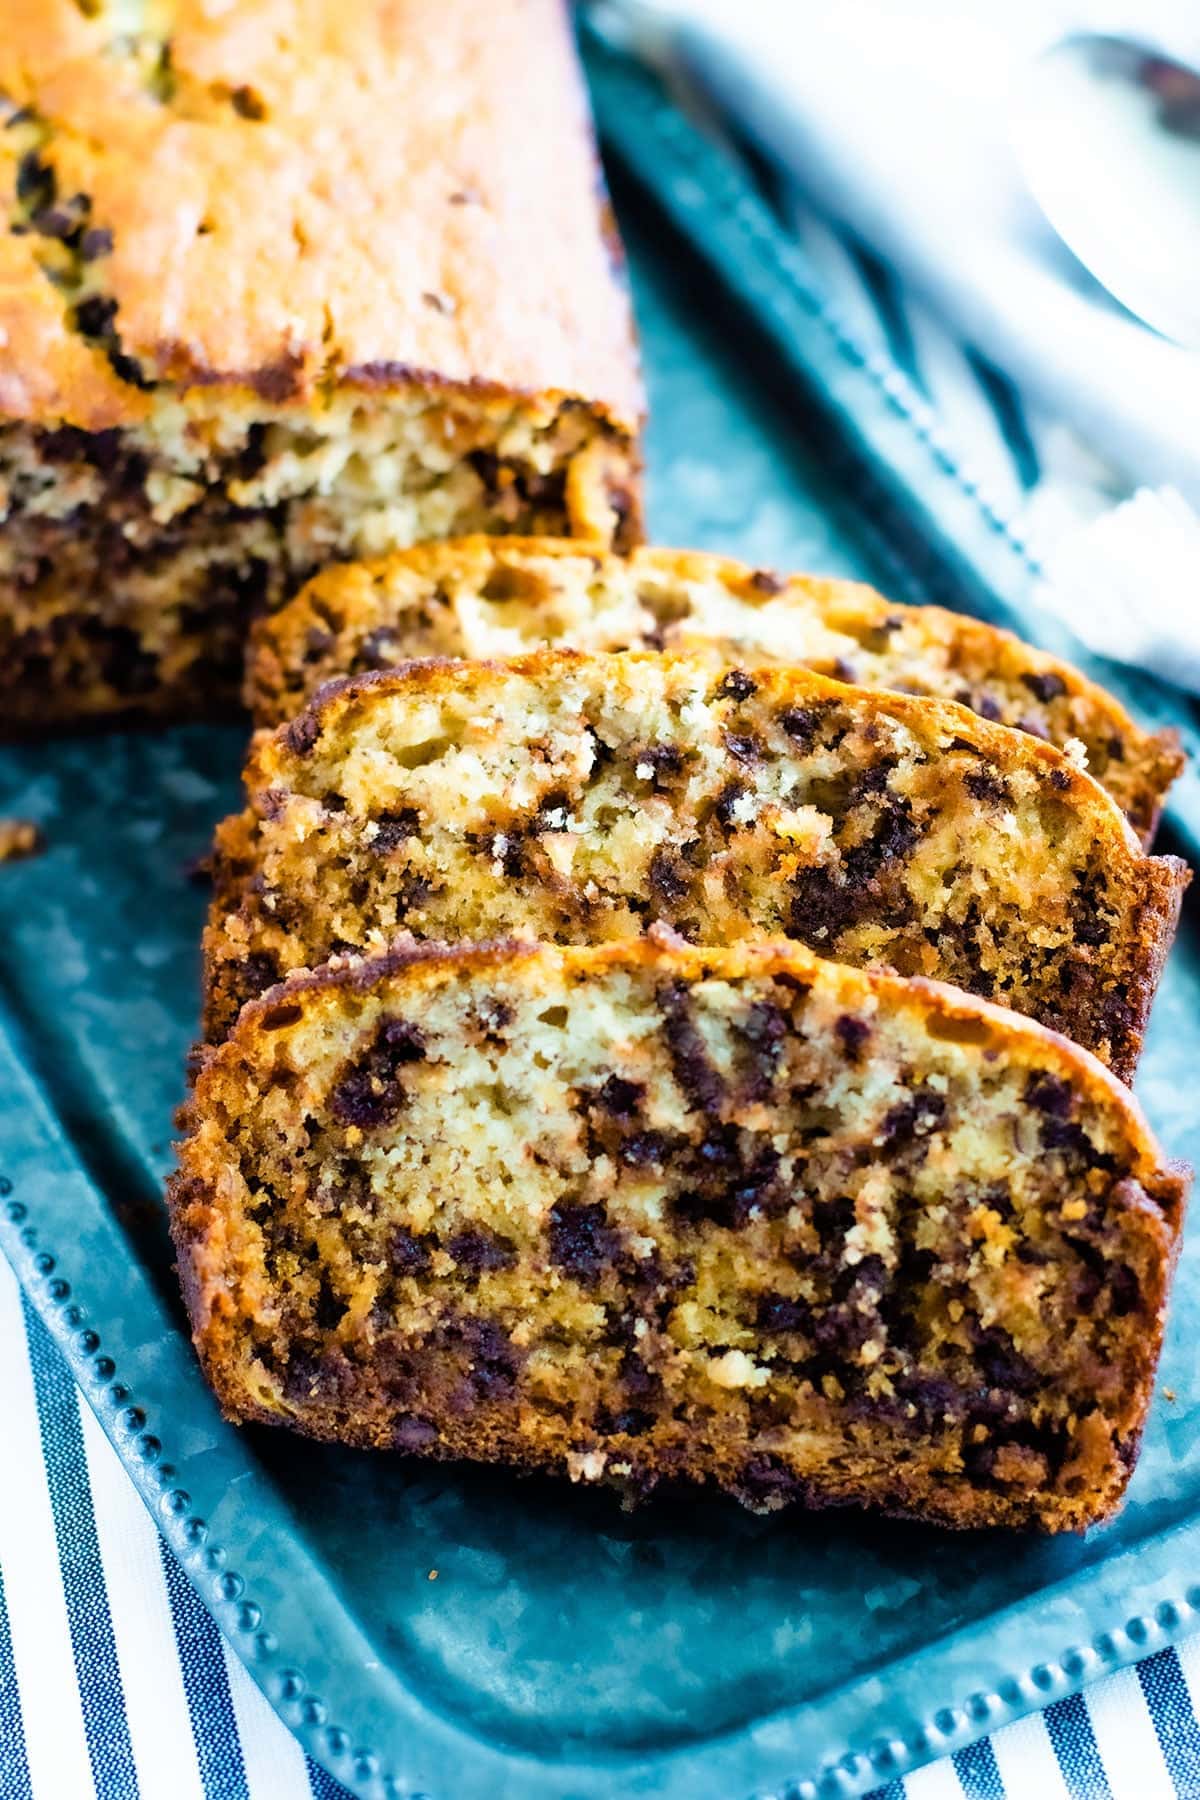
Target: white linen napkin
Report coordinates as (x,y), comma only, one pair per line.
(892,120)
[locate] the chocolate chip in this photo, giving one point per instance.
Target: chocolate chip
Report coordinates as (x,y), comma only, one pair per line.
(329,1309)
(725,1180)
(36,182)
(1002,1364)
(379,649)
(853,1034)
(1091,917)
(1045,686)
(302,733)
(251,458)
(1073,1142)
(984,784)
(776,1313)
(935,1398)
(370,1093)
(1125,1291)
(491,1356)
(871,781)
(582,1242)
(95,314)
(743,747)
(256,973)
(915,1117)
(97,241)
(843,670)
(312,1372)
(822,906)
(1048,1095)
(765,581)
(762,1032)
(725,807)
(101,449)
(694,1072)
(407,1253)
(645,1150)
(832,1219)
(478,1251)
(619,1097)
(127,368)
(630,1422)
(664,761)
(737,685)
(64,221)
(802,724)
(766,1483)
(247,104)
(894,836)
(395,828)
(669,878)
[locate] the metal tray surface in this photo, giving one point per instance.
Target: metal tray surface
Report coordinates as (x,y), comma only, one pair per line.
(566,1648)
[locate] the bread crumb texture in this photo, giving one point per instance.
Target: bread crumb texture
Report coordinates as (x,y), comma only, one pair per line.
(501,597)
(578,799)
(645,1212)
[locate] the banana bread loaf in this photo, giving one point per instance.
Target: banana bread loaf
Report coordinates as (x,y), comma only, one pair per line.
(499,597)
(578,798)
(648,1211)
(278,285)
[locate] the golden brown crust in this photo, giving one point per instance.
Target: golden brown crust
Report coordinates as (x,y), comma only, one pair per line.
(426,205)
(360,306)
(484,597)
(444,1357)
(878,827)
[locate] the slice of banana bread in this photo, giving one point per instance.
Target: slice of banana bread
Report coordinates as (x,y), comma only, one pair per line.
(579,798)
(482,597)
(648,1211)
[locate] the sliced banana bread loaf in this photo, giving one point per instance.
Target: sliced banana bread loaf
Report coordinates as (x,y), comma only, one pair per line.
(579,798)
(647,1211)
(484,597)
(372,294)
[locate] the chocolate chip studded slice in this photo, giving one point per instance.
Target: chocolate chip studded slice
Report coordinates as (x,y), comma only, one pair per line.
(482,597)
(579,799)
(742,1215)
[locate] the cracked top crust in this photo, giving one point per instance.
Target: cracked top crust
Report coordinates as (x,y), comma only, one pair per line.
(362,193)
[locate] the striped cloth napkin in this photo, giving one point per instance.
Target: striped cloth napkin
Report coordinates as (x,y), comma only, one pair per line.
(114,1681)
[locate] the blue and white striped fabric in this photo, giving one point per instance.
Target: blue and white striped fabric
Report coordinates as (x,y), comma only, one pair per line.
(114,1681)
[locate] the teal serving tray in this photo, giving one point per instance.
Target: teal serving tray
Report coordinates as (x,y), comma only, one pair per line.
(566,1649)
